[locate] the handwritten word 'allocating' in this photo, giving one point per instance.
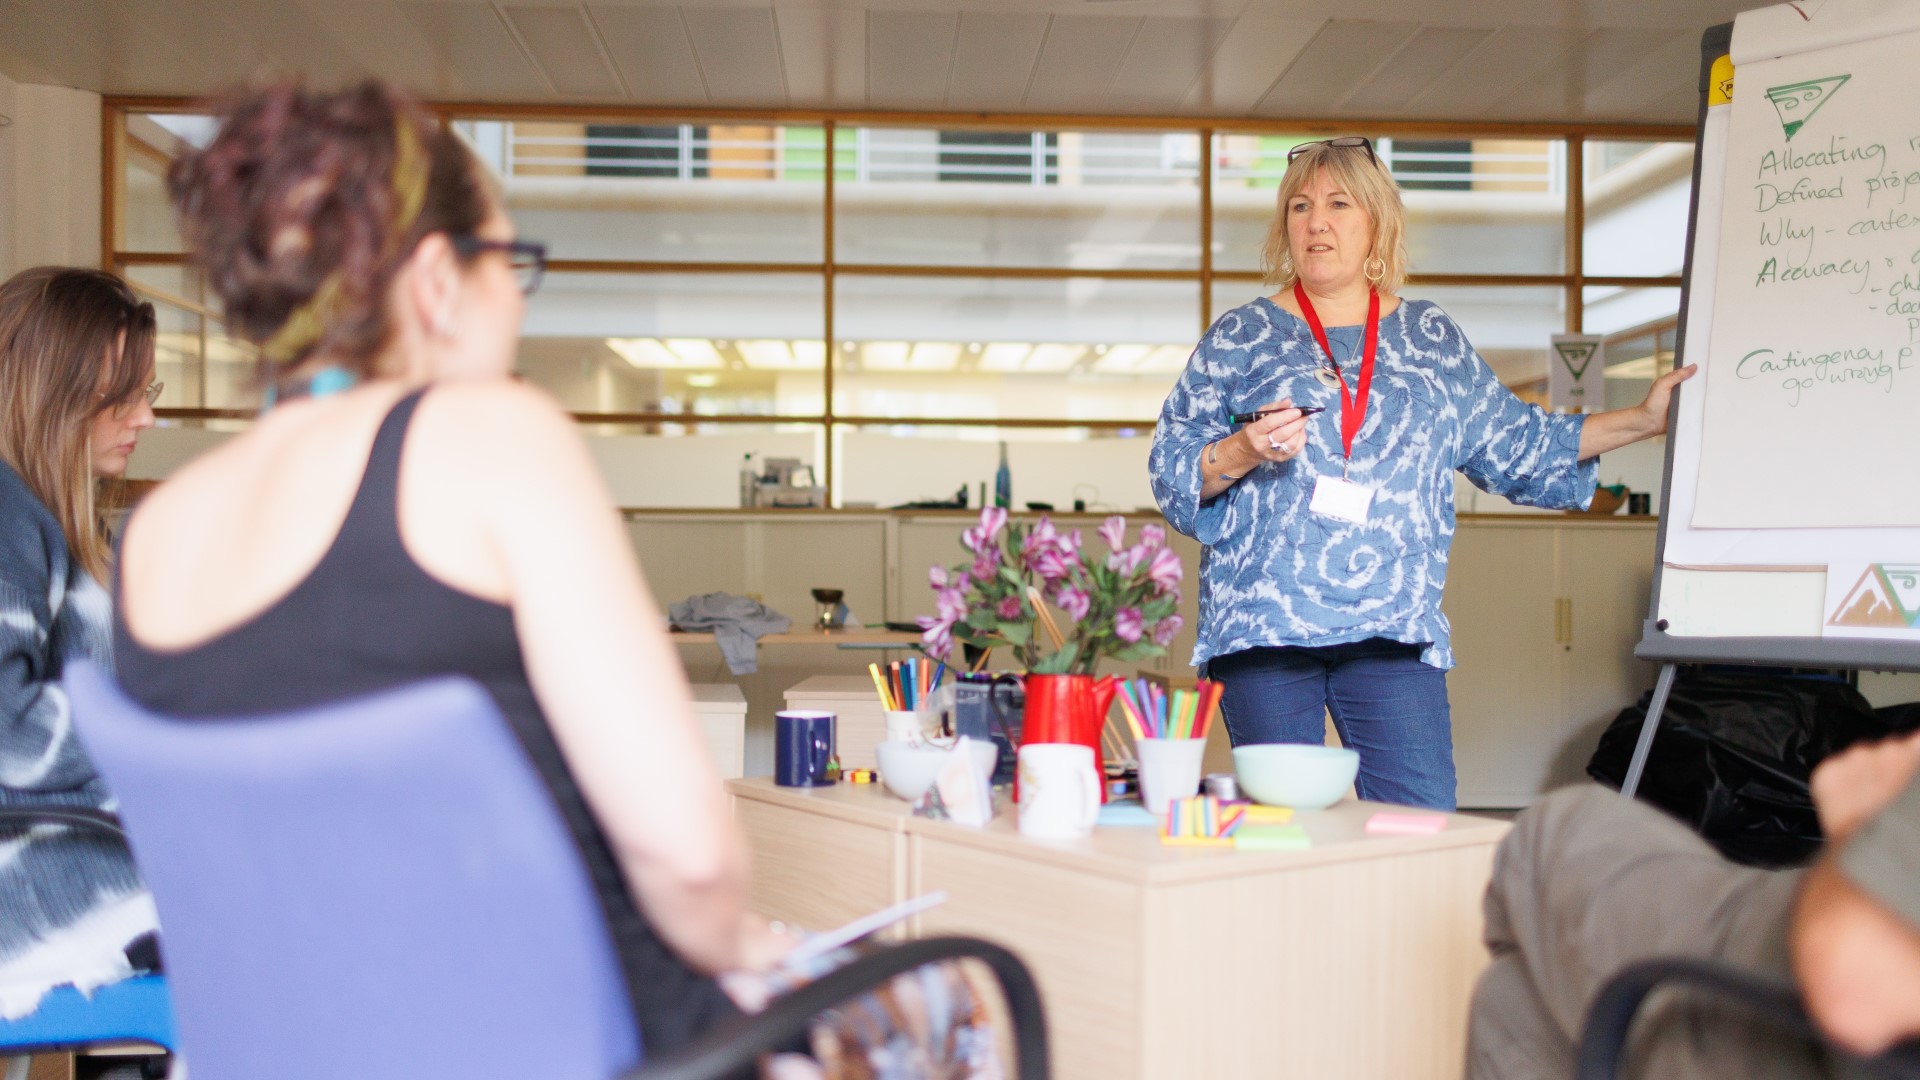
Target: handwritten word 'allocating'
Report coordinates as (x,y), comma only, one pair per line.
(1799,372)
(1774,162)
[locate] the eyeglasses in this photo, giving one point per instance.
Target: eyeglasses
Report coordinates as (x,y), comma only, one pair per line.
(528,260)
(150,394)
(1344,142)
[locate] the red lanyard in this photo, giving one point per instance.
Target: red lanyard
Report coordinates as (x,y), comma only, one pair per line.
(1353,408)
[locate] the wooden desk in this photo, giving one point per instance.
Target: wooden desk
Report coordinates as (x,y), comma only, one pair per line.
(862,638)
(1354,959)
(860,723)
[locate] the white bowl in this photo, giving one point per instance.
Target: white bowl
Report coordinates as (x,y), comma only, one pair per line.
(909,769)
(1295,774)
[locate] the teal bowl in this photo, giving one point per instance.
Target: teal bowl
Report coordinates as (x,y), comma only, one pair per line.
(1295,774)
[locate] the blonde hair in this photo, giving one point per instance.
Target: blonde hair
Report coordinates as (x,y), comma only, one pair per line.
(63,362)
(1361,176)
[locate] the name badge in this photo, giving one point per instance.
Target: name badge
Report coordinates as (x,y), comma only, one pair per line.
(1338,497)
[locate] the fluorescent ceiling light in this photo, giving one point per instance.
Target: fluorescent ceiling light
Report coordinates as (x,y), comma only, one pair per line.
(648,354)
(934,356)
(883,356)
(1120,359)
(695,352)
(1165,360)
(1053,358)
(767,354)
(1004,356)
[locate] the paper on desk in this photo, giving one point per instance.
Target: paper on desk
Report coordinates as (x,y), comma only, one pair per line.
(825,942)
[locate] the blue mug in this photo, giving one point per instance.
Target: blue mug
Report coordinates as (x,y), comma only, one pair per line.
(802,747)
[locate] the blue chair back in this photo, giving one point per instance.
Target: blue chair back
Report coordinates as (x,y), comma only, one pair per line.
(381,888)
(132,1010)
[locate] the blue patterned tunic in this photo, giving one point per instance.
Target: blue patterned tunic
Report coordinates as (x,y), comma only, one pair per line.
(1275,574)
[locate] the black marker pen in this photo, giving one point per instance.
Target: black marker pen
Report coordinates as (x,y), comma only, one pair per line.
(1250,417)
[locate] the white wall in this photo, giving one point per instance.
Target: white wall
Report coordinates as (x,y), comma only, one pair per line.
(49,176)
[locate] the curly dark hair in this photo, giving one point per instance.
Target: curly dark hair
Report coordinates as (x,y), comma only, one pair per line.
(297,188)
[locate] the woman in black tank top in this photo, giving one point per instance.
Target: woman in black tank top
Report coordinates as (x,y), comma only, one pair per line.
(360,245)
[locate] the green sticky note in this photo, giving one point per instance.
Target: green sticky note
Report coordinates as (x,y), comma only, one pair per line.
(1271,838)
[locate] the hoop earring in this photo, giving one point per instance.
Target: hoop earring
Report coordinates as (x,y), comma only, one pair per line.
(1375,268)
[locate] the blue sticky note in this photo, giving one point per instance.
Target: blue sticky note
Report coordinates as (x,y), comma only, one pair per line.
(1126,814)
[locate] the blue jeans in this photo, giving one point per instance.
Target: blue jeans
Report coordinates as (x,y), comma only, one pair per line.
(1386,705)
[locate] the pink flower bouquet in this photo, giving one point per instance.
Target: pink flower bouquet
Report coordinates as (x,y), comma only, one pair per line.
(1120,606)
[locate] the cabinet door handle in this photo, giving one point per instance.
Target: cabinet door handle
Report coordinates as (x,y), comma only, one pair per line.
(1562,620)
(1567,601)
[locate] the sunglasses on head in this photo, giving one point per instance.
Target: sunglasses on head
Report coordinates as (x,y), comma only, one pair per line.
(1344,142)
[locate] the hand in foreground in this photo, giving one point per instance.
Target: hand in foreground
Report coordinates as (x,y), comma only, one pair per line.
(763,944)
(1857,961)
(1859,782)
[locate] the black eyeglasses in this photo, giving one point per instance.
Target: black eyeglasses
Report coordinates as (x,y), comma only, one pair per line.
(528,259)
(1344,142)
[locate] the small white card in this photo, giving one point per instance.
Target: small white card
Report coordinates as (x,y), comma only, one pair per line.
(1338,497)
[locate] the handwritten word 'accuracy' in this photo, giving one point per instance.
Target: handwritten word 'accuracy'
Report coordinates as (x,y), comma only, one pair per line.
(1799,372)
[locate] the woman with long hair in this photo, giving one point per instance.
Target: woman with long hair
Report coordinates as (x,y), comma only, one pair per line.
(76,390)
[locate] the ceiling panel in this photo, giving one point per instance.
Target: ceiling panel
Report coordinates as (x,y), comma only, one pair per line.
(1339,60)
(1629,60)
(566,49)
(650,50)
(1663,87)
(1078,61)
(993,60)
(42,49)
(1423,59)
(1246,65)
(824,54)
(1562,89)
(909,57)
(474,42)
(739,55)
(1165,61)
(382,41)
(1501,64)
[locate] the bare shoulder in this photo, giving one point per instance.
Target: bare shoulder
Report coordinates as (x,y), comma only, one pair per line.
(500,433)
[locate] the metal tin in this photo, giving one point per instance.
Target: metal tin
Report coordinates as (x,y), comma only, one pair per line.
(1221,785)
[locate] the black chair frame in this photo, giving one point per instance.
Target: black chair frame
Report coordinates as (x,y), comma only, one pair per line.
(1603,1041)
(732,1047)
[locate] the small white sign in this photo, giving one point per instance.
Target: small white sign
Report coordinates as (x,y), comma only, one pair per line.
(1576,378)
(1338,497)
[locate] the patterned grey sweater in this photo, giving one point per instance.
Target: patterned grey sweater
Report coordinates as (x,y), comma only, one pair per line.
(50,610)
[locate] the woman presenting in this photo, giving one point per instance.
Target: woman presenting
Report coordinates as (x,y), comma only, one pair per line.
(1310,446)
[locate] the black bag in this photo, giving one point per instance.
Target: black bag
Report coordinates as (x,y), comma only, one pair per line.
(1734,753)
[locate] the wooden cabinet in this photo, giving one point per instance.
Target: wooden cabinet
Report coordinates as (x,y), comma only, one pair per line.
(1545,614)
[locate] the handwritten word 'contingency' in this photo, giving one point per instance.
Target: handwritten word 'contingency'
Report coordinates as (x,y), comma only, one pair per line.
(1798,372)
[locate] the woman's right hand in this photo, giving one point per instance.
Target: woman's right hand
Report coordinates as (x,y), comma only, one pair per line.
(1277,437)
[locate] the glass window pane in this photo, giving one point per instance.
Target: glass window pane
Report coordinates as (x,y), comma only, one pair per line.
(150,143)
(1474,206)
(1637,195)
(202,367)
(694,466)
(1613,310)
(658,191)
(1069,349)
(1092,199)
(702,343)
(894,464)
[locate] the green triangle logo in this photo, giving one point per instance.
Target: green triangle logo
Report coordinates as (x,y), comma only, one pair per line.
(1576,355)
(1797,102)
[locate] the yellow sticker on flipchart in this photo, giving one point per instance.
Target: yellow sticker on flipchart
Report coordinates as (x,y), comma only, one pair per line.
(1720,81)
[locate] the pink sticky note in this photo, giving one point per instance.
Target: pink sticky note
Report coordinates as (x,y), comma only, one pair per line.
(1389,823)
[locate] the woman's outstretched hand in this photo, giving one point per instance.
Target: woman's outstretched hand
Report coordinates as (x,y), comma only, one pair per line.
(1612,430)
